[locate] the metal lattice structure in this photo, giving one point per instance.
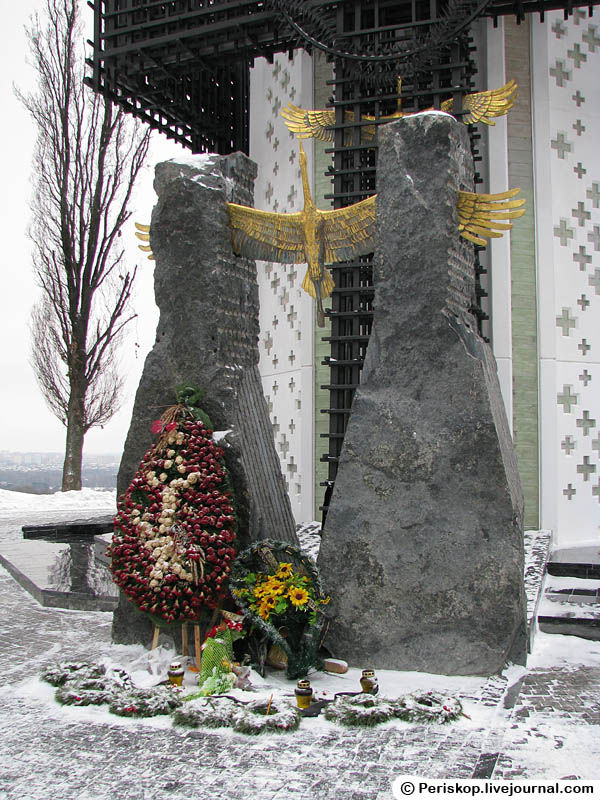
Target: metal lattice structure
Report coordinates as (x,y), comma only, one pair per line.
(448,72)
(182,65)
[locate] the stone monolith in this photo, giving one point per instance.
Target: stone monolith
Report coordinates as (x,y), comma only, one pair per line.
(422,550)
(207,336)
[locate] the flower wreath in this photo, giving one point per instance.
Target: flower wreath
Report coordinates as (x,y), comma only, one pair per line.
(175,526)
(429,707)
(258,716)
(279,591)
(362,710)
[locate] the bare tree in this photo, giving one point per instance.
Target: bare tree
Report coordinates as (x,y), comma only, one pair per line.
(88,156)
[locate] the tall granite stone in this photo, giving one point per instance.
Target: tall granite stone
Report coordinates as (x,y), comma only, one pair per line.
(422,549)
(207,336)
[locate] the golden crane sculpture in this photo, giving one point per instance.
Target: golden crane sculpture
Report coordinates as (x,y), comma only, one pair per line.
(317,237)
(310,236)
(480,107)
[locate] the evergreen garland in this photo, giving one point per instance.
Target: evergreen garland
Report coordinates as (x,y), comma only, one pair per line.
(266,716)
(70,696)
(428,707)
(206,712)
(365,710)
(361,710)
(145,702)
(88,676)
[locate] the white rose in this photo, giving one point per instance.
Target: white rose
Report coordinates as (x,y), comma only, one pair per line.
(168,464)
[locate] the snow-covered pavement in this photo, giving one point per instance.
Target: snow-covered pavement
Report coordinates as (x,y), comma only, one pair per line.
(536,723)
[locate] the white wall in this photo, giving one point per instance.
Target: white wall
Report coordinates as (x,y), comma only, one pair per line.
(566,114)
(286,311)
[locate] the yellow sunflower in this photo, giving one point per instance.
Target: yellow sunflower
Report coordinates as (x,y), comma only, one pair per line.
(276,587)
(298,596)
(263,611)
(284,571)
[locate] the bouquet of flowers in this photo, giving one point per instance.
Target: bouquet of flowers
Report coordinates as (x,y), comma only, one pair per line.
(281,594)
(279,590)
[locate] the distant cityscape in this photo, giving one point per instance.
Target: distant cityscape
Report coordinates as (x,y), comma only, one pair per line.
(41,473)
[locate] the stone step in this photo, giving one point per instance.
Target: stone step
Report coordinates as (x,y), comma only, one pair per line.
(576,562)
(62,574)
(571,606)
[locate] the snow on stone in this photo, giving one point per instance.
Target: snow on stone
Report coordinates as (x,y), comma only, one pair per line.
(218,436)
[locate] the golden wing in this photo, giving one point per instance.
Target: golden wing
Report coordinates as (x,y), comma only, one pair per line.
(349,232)
(482,106)
(316,124)
(478,214)
(143,233)
(266,235)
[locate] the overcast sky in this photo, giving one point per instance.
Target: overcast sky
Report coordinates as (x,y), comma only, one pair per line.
(25,422)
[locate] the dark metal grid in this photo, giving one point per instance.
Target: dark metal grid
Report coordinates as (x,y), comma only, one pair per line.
(182,65)
(354,177)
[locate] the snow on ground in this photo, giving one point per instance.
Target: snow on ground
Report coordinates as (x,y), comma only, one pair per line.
(83,502)
(555,650)
(547,744)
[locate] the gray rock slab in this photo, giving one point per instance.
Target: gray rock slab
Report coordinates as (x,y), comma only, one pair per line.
(207,336)
(64,531)
(60,574)
(422,549)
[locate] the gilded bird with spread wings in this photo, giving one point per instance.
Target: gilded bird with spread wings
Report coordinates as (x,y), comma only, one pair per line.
(309,236)
(319,124)
(318,237)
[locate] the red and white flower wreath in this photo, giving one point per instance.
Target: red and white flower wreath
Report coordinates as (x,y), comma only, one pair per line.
(174,531)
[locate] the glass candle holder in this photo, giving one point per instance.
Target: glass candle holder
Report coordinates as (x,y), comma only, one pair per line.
(303,693)
(368,682)
(175,673)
